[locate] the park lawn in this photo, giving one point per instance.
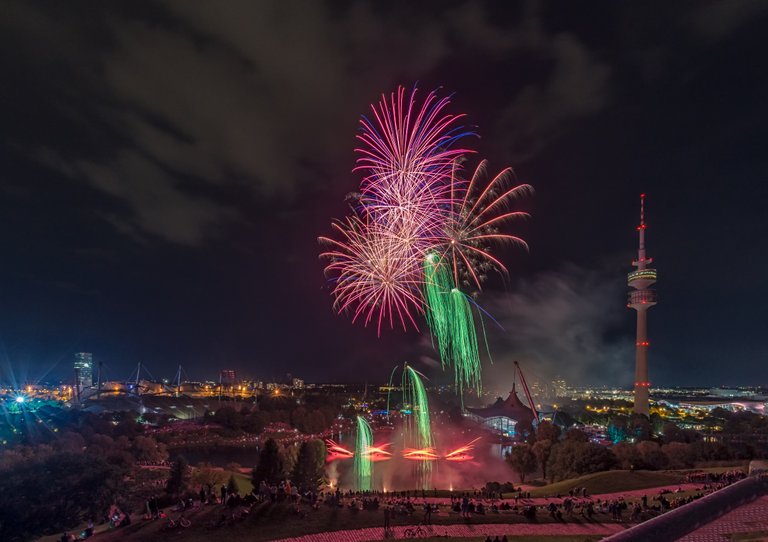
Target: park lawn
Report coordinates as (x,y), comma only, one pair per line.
(612,481)
(270,522)
(244,483)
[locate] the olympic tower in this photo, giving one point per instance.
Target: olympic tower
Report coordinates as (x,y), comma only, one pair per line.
(642,298)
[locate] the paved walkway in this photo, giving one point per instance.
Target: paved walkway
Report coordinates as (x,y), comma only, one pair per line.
(632,494)
(750,518)
(483,530)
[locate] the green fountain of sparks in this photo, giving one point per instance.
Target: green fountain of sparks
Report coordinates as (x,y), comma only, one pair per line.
(418,425)
(363,466)
(464,350)
(449,315)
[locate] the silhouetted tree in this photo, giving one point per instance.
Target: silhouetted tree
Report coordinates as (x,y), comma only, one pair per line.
(542,449)
(309,471)
(522,460)
(177,481)
(270,467)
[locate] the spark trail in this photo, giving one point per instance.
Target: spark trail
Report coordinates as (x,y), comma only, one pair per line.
(418,426)
(363,465)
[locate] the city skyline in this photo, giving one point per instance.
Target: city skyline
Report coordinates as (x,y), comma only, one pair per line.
(170,216)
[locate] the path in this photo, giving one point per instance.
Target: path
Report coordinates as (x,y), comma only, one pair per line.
(749,518)
(488,529)
(632,494)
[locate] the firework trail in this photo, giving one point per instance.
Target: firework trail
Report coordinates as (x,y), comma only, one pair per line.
(363,465)
(419,426)
(449,316)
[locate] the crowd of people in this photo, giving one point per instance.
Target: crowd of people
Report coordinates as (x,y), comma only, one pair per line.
(405,504)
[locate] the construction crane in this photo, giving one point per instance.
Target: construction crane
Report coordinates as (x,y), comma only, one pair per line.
(519,372)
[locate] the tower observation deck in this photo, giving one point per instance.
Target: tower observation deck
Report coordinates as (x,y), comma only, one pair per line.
(642,298)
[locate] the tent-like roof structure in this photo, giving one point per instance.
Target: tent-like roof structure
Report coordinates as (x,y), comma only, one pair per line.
(511,407)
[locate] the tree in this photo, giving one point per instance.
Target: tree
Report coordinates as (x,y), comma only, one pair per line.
(641,427)
(679,454)
(672,433)
(146,449)
(177,481)
(542,449)
(208,476)
(548,431)
(522,460)
(577,435)
(627,455)
(270,467)
(651,455)
(52,493)
(308,472)
(570,459)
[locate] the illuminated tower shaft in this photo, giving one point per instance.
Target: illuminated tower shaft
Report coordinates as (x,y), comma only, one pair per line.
(642,298)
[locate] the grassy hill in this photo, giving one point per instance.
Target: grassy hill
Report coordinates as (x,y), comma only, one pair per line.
(611,482)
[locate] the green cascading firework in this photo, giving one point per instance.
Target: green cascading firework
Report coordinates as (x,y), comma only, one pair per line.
(464,349)
(418,426)
(363,466)
(450,318)
(438,284)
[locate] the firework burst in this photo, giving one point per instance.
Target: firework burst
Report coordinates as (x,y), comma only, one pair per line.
(474,224)
(420,233)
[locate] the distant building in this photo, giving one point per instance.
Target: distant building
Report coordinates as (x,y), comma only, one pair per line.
(298,383)
(559,387)
(228,377)
(84,369)
(503,416)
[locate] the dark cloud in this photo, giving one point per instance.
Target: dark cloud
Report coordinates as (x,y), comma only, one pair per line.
(716,20)
(167,166)
(568,323)
(254,95)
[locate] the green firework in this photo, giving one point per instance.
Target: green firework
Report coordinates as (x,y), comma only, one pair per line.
(363,466)
(449,315)
(438,284)
(419,427)
(415,395)
(464,350)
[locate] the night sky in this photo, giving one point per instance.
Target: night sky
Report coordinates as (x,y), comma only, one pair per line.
(167,167)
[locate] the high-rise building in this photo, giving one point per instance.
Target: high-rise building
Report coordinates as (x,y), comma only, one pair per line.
(84,369)
(298,383)
(642,298)
(228,377)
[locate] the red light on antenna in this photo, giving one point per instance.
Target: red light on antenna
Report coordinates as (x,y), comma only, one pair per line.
(642,195)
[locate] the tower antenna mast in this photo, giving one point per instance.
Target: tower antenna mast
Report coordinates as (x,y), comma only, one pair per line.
(641,298)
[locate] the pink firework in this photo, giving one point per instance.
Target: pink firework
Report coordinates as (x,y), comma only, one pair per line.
(406,159)
(474,224)
(376,273)
(413,204)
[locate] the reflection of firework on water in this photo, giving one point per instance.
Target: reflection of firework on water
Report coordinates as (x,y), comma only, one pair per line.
(427,454)
(419,232)
(463,453)
(363,466)
(336,451)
